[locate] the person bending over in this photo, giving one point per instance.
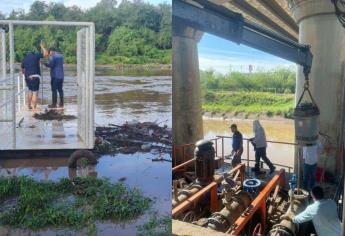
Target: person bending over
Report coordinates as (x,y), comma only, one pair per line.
(32,72)
(323,213)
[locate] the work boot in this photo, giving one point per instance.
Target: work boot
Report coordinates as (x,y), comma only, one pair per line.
(61,105)
(52,106)
(256,168)
(272,169)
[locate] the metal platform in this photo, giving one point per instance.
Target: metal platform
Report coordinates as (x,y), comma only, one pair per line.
(33,134)
(18,128)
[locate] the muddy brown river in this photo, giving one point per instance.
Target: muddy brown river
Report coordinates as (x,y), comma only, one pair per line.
(118,99)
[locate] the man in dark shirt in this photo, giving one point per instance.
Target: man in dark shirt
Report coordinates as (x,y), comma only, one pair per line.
(32,72)
(237,145)
(55,64)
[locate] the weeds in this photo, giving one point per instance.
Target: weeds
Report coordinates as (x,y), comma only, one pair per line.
(156,226)
(249,103)
(76,202)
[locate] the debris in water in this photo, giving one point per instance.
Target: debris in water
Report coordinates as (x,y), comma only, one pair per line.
(53,115)
(133,137)
(122,179)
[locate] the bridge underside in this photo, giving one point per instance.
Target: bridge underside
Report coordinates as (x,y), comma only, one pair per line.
(272,14)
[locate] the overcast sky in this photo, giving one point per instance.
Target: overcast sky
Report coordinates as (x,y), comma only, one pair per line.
(6,6)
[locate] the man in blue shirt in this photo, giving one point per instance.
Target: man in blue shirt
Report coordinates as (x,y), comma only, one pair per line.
(237,146)
(55,64)
(323,213)
(32,72)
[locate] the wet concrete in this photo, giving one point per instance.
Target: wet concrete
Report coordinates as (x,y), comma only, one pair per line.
(118,99)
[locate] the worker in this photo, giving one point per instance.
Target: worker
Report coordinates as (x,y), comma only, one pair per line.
(323,214)
(56,65)
(237,146)
(32,72)
(310,156)
(260,144)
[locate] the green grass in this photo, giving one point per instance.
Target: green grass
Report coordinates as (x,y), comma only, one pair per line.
(249,103)
(77,202)
(156,226)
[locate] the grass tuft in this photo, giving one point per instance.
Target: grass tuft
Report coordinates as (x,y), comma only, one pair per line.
(76,202)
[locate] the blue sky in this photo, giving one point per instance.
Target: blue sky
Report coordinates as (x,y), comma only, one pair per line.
(6,6)
(223,55)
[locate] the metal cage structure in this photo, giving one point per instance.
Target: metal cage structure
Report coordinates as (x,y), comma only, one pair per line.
(13,89)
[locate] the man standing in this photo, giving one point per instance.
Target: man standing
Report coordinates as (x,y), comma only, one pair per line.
(310,156)
(237,146)
(260,145)
(32,72)
(55,64)
(323,214)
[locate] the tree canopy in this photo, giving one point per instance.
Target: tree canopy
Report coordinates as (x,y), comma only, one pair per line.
(126,31)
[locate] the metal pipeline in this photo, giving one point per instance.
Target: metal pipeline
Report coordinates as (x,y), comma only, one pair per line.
(204,154)
(185,193)
(298,202)
(234,207)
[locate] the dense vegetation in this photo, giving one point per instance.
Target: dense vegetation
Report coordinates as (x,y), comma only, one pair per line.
(77,202)
(249,103)
(130,32)
(280,80)
(269,93)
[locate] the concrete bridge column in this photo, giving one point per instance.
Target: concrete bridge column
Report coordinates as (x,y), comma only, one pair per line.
(187,122)
(320,28)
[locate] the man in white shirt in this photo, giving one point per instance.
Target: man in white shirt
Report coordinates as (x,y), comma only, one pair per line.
(260,145)
(310,156)
(323,214)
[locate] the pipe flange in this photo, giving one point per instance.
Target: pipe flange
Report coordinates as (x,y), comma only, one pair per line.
(281,229)
(299,194)
(218,222)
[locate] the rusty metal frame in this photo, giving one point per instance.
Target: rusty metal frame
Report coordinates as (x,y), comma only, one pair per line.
(258,204)
(212,188)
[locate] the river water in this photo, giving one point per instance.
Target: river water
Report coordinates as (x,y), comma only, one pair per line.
(118,99)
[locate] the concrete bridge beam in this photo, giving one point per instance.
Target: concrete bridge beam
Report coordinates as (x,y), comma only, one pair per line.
(187,105)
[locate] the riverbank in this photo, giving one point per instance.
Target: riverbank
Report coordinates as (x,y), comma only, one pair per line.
(247,105)
(117,69)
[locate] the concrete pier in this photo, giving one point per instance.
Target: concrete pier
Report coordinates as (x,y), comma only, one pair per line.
(186,110)
(320,28)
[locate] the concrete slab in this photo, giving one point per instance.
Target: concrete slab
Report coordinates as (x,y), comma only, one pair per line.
(34,134)
(187,229)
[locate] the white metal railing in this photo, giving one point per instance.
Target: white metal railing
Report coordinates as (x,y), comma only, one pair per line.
(14,94)
(14,91)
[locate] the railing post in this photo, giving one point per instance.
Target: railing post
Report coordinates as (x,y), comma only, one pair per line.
(223,147)
(248,156)
(19,93)
(24,90)
(216,144)
(11,44)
